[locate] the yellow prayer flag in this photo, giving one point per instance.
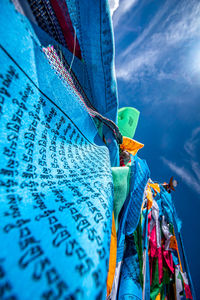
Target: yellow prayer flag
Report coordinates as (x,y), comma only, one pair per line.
(131,145)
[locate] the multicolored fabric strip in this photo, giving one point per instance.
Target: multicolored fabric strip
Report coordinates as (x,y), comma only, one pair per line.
(70,80)
(85,29)
(153,263)
(53,17)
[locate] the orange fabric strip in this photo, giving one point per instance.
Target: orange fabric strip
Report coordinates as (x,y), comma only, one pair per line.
(131,145)
(155,186)
(149,197)
(113,258)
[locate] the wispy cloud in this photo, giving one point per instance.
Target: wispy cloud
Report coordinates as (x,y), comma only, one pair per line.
(196,169)
(127,5)
(190,173)
(124,6)
(147,31)
(192,148)
(173,26)
(114,4)
(144,61)
(191,144)
(185,175)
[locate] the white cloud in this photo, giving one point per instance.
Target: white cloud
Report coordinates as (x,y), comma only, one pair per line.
(196,169)
(140,40)
(190,175)
(163,75)
(186,176)
(114,4)
(145,61)
(190,145)
(124,6)
(165,32)
(127,5)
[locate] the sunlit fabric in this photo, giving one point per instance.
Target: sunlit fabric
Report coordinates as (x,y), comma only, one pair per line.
(56,181)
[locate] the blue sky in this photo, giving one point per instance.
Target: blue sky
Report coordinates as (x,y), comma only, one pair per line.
(158,72)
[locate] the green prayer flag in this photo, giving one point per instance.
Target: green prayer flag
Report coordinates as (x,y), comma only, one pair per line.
(121,177)
(128,120)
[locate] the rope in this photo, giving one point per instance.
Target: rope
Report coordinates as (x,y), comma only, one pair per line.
(73,50)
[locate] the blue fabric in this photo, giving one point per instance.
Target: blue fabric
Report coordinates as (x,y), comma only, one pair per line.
(95,72)
(56,183)
(92,22)
(167,208)
(113,147)
(131,211)
(130,285)
(78,66)
(140,177)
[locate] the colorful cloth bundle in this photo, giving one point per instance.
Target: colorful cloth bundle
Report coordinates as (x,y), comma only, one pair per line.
(151,263)
(158,226)
(150,252)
